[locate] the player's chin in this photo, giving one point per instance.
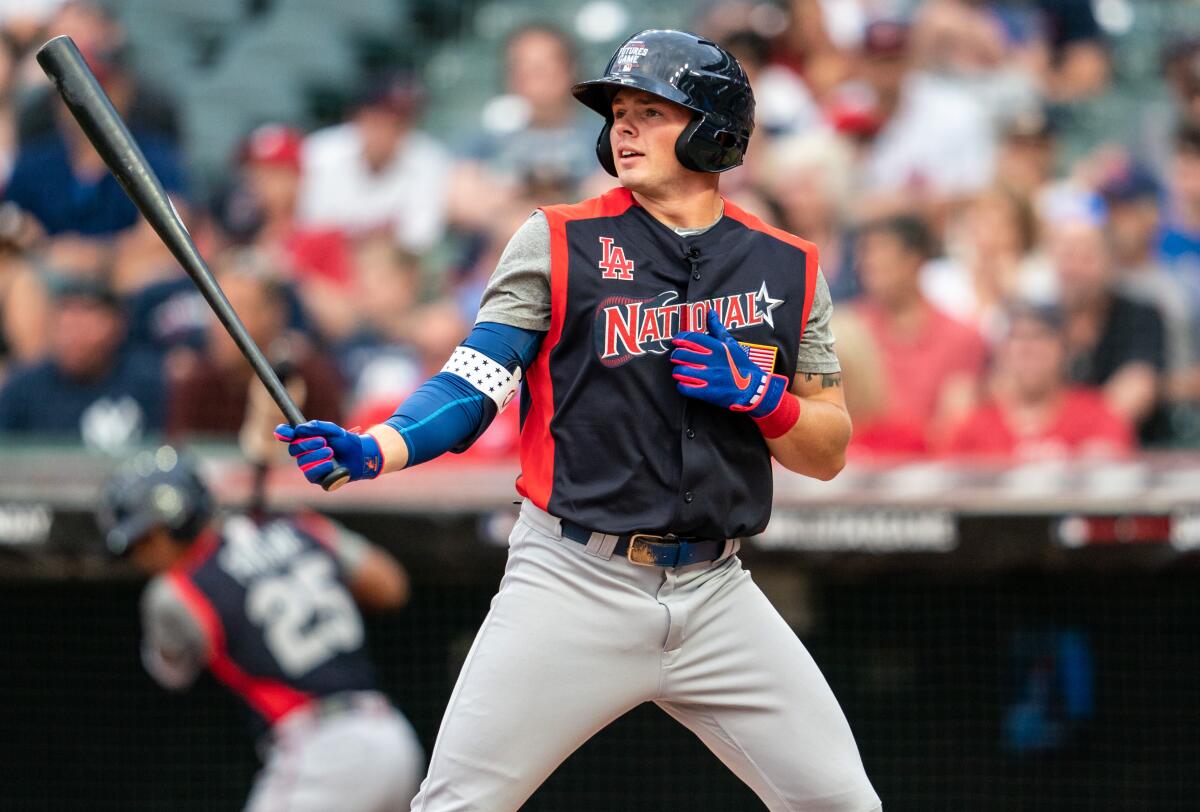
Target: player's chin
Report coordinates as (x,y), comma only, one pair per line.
(633,178)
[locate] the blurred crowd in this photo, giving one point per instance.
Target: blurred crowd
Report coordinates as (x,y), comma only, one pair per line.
(993,297)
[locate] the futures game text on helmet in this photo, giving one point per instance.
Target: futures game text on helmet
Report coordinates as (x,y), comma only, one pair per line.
(690,71)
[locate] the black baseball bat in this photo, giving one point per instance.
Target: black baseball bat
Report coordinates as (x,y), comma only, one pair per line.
(91,107)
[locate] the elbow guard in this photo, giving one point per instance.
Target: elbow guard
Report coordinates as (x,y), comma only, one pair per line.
(492,360)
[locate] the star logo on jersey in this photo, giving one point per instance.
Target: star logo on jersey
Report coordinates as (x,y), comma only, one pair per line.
(765,305)
(613,264)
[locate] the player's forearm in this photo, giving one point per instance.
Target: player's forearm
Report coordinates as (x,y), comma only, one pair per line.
(392,445)
(815,445)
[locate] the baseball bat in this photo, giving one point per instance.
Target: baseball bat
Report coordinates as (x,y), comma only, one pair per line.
(91,107)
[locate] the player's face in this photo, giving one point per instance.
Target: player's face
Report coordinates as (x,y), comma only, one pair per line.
(645,129)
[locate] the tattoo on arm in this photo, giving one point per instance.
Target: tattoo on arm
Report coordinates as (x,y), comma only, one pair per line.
(827,381)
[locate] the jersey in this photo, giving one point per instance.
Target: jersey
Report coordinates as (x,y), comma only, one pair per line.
(265,606)
(607,441)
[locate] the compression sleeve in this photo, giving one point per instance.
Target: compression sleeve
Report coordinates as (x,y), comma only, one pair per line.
(453,408)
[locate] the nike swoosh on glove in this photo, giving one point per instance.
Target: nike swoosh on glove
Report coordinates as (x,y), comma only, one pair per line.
(319,446)
(715,368)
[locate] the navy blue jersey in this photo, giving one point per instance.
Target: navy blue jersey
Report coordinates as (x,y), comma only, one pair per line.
(281,625)
(607,440)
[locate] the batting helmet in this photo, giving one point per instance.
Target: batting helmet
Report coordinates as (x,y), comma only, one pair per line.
(688,70)
(159,488)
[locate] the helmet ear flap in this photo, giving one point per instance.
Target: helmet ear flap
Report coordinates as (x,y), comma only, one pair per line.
(604,149)
(683,145)
(704,147)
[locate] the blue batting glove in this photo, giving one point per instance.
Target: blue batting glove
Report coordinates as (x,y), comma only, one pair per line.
(319,446)
(715,368)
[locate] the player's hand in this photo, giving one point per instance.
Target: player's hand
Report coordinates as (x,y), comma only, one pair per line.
(715,368)
(319,446)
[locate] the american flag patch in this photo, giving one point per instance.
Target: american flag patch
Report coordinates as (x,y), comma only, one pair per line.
(762,355)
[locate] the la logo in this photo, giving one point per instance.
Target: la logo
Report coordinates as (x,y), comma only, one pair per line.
(612,261)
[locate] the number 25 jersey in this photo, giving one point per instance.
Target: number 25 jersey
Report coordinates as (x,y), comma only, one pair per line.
(280,625)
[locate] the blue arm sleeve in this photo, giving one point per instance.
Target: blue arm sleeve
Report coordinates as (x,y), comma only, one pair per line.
(447,413)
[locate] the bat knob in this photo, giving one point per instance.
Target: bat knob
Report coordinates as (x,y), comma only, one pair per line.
(336,478)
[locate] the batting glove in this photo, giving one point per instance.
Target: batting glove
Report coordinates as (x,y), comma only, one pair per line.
(715,368)
(319,446)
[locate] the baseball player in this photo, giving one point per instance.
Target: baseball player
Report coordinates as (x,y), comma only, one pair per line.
(671,345)
(268,606)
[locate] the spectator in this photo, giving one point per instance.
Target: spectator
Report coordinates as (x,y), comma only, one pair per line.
(867,393)
(1134,200)
(1160,118)
(537,116)
(59,178)
(1061,42)
(934,140)
(260,211)
(1026,157)
(809,179)
(962,41)
(377,357)
(932,362)
(376,170)
(992,262)
(36,265)
(1180,244)
(1113,342)
(811,41)
(1033,412)
(91,388)
(167,314)
(101,37)
(209,396)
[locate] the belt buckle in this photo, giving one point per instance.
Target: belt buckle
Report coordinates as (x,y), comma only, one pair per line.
(641,550)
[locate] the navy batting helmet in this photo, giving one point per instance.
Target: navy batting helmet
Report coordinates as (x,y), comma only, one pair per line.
(688,70)
(159,488)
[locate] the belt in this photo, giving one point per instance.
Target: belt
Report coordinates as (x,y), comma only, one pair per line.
(650,550)
(318,710)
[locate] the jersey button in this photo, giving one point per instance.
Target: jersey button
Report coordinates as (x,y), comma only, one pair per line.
(691,434)
(687,497)
(696,275)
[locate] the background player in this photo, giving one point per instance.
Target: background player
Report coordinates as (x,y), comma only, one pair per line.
(268,606)
(646,450)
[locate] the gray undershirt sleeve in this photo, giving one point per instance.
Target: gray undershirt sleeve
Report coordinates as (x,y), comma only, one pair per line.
(816,353)
(518,294)
(174,647)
